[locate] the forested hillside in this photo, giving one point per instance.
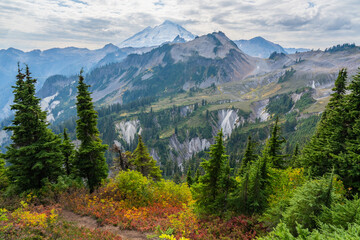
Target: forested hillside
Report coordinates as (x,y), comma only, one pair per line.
(291,175)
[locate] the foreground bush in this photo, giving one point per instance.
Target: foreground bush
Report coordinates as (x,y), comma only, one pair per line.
(326,232)
(131,201)
(39,222)
(308,202)
(168,211)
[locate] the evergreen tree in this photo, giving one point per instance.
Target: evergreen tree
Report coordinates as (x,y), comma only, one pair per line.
(189,179)
(347,163)
(252,193)
(90,160)
(3,177)
(177,178)
(329,139)
(294,157)
(144,163)
(67,149)
(249,155)
(213,187)
(241,194)
(34,155)
(273,148)
(197,176)
(258,181)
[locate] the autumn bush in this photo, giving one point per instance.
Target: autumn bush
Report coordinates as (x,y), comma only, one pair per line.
(168,210)
(39,222)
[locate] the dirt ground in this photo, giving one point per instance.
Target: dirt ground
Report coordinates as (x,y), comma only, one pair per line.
(91,223)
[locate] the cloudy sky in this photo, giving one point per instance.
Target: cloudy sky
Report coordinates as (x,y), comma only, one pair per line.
(43,24)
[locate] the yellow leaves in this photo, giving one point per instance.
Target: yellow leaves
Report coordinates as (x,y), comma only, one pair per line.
(53,216)
(33,219)
(24,204)
(284,182)
(171,237)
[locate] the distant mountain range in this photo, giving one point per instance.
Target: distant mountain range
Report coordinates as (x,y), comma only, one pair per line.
(69,61)
(43,64)
(197,64)
(260,47)
(168,69)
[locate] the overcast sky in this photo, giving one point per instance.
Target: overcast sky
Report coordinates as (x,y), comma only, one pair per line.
(43,24)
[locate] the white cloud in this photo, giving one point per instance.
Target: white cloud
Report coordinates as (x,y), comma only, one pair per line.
(29,24)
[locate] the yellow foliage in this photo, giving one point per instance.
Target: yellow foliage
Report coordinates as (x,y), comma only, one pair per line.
(284,182)
(33,219)
(171,237)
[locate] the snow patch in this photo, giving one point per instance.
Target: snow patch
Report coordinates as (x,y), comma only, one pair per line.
(44,104)
(3,137)
(6,110)
(53,105)
(59,113)
(50,118)
(158,35)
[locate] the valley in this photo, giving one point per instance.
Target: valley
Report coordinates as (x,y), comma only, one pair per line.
(177,136)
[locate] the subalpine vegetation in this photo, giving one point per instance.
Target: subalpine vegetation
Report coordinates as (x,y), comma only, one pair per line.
(310,194)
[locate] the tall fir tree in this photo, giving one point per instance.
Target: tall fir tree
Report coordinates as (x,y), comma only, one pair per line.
(318,156)
(189,179)
(90,160)
(348,161)
(211,193)
(3,175)
(197,176)
(295,156)
(249,155)
(144,163)
(67,149)
(34,155)
(273,147)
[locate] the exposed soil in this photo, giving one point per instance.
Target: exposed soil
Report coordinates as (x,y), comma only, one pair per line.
(91,223)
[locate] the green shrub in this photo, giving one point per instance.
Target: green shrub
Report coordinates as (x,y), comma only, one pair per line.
(308,202)
(342,214)
(134,187)
(3,178)
(138,190)
(326,232)
(170,192)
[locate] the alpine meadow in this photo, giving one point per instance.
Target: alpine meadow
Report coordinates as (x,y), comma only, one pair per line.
(191,125)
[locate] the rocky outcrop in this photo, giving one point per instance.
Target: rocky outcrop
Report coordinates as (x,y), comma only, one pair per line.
(128,129)
(185,150)
(259,111)
(228,120)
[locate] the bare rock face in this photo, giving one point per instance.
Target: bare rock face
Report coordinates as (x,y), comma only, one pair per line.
(189,147)
(128,129)
(228,120)
(259,111)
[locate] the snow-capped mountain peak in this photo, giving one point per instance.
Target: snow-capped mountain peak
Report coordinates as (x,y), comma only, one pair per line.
(166,32)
